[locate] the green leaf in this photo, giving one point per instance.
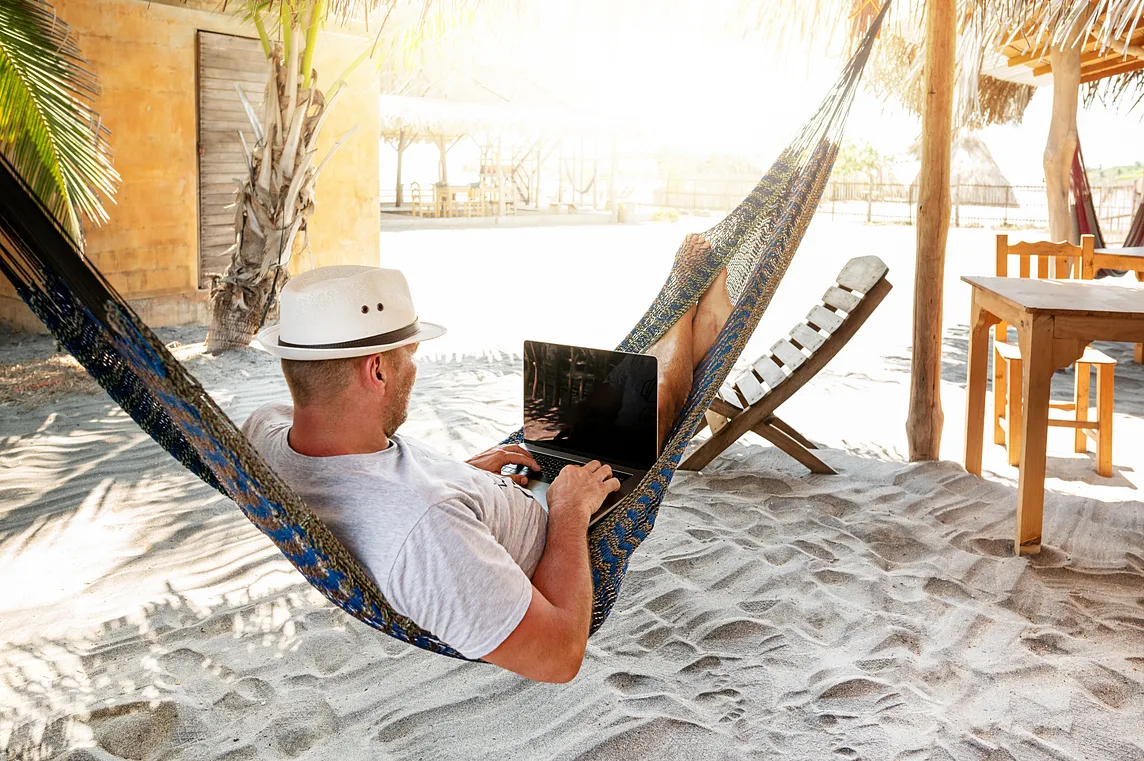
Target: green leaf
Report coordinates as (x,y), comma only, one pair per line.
(48,128)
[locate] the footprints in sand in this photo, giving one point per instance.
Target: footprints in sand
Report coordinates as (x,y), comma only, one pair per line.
(139,730)
(700,685)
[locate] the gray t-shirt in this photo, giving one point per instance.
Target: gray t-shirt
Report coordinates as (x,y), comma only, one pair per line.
(450,546)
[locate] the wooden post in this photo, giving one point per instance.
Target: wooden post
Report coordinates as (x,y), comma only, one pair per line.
(442,164)
(923,426)
(612,176)
(539,168)
(500,181)
(400,150)
(957,204)
(1061,146)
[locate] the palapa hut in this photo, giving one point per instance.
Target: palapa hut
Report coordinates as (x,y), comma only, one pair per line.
(946,74)
(520,127)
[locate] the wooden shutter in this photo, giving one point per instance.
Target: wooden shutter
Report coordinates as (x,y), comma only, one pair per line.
(224,61)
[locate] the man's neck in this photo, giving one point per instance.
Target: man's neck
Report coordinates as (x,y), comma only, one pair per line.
(328,433)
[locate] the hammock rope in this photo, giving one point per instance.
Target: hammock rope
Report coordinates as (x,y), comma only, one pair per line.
(755,242)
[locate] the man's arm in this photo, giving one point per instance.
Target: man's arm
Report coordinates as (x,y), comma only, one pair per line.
(549,642)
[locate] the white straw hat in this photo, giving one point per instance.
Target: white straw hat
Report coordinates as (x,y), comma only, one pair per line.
(345,311)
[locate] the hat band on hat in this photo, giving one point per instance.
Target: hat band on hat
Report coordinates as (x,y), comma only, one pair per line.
(380,339)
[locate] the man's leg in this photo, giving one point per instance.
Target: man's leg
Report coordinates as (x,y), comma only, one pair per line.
(711,315)
(681,348)
(674,350)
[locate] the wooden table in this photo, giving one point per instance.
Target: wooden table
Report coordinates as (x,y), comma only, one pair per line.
(1055,320)
(445,198)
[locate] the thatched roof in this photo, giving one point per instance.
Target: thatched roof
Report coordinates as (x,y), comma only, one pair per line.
(985,93)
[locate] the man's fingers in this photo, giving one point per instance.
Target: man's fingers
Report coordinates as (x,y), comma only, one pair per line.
(514,448)
(522,480)
(605,472)
(592,466)
(515,458)
(612,484)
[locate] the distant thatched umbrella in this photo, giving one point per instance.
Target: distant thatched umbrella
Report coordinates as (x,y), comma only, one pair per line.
(973,166)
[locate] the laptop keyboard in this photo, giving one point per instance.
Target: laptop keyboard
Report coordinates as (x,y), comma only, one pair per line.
(551,467)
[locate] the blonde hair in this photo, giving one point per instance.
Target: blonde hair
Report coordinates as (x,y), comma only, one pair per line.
(312,381)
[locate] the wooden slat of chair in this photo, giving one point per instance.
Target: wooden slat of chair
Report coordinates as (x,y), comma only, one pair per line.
(862,273)
(789,354)
(807,337)
(759,417)
(841,299)
(769,371)
(824,319)
(749,388)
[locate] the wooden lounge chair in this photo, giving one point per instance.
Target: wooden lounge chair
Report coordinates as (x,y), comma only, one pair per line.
(749,403)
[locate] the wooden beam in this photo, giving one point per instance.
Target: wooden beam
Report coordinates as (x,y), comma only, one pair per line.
(924,424)
(1127,65)
(1087,57)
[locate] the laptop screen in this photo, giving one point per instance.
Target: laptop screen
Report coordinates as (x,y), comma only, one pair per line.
(591,402)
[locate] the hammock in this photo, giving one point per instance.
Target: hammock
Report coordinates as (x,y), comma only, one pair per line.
(755,242)
(1083,207)
(1086,220)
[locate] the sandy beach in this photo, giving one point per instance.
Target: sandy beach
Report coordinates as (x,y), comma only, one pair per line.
(878,614)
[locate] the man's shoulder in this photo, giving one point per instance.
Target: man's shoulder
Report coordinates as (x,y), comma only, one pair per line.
(267,418)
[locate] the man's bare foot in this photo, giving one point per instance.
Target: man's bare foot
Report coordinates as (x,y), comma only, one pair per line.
(711,315)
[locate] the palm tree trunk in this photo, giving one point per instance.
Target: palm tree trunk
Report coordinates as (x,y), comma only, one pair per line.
(273,204)
(1061,145)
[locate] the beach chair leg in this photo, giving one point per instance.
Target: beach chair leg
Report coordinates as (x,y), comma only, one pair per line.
(789,431)
(796,450)
(1138,354)
(998,398)
(1013,412)
(720,439)
(1080,398)
(1104,386)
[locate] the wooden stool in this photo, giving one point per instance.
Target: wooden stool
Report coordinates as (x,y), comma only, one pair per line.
(1008,413)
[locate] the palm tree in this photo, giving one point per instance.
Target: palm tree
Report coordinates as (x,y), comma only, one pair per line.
(49,130)
(276,198)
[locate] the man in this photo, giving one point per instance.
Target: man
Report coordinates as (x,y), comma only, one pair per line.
(457,547)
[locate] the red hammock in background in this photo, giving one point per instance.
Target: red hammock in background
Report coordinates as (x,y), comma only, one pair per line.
(1085,211)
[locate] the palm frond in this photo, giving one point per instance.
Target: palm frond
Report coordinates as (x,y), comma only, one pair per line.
(48,128)
(1125,92)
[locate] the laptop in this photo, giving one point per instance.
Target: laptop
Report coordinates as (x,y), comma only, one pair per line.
(584,404)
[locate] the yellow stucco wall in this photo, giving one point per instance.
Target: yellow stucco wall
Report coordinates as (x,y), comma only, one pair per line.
(145,55)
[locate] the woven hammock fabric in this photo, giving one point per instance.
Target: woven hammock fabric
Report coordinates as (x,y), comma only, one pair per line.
(755,243)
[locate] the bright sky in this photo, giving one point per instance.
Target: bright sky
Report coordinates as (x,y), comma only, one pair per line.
(690,78)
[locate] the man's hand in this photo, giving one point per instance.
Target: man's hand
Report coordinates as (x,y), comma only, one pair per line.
(582,489)
(496,458)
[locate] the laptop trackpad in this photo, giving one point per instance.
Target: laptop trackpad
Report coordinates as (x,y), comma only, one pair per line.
(539,491)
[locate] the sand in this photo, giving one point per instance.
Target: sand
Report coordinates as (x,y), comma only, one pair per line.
(878,614)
